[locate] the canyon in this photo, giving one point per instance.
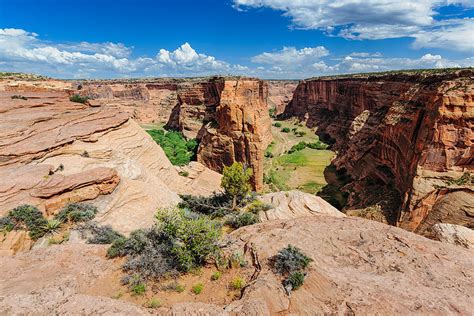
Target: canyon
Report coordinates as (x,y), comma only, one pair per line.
(405,140)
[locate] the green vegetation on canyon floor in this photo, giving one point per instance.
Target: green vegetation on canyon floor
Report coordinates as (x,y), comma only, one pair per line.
(177,148)
(296,158)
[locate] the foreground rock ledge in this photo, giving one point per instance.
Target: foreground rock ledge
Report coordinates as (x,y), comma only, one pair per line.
(359,267)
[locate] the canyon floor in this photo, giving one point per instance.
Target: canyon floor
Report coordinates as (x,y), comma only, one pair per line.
(385,137)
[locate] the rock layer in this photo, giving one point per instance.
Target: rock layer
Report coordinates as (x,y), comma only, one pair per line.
(406,137)
(53,152)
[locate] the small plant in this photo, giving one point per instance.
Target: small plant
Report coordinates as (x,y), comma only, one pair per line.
(76,212)
(29,218)
(241,219)
(258,206)
(268,154)
(183,173)
(6,224)
(60,240)
(291,259)
(18,96)
(102,234)
(272,112)
(139,288)
(153,303)
(179,288)
(52,226)
(197,288)
(285,130)
(237,260)
(295,280)
(277,124)
(216,276)
(85,154)
(78,98)
(237,283)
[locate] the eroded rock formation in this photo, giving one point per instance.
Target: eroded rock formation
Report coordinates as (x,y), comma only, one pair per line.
(280,93)
(53,152)
(406,138)
(359,267)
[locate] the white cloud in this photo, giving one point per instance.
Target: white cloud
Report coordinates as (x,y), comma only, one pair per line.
(371,19)
(290,56)
(25,51)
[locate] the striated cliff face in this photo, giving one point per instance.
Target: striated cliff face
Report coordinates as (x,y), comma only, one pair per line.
(403,138)
(280,93)
(230,118)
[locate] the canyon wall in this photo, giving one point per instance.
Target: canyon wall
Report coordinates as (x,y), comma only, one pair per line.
(405,140)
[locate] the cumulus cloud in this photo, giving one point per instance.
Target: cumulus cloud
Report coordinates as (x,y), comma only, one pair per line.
(21,50)
(369,19)
(289,56)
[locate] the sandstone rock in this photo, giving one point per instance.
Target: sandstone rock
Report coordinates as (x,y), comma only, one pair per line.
(280,93)
(243,128)
(53,152)
(359,266)
(294,204)
(401,138)
(454,234)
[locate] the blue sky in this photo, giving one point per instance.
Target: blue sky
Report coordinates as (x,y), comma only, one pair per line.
(264,38)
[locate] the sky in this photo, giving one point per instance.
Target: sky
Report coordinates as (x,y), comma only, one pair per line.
(272,39)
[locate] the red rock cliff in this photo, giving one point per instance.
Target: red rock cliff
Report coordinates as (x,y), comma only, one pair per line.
(407,138)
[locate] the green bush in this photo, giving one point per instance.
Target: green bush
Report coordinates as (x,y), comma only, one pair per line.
(102,235)
(179,242)
(153,303)
(216,276)
(291,259)
(216,205)
(183,173)
(285,130)
(258,206)
(139,289)
(76,212)
(6,224)
(295,280)
(193,240)
(237,260)
(241,219)
(297,147)
(178,150)
(78,98)
(53,226)
(236,181)
(29,218)
(277,124)
(317,145)
(237,283)
(197,288)
(272,112)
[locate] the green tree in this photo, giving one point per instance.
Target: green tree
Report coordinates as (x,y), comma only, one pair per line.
(236,181)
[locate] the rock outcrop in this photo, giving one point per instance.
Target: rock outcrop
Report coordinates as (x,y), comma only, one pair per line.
(454,234)
(53,152)
(294,204)
(280,93)
(359,267)
(406,138)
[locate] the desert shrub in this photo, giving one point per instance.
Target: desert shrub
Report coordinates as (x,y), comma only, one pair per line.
(153,303)
(216,205)
(6,224)
(139,289)
(183,173)
(179,242)
(29,218)
(269,154)
(290,259)
(197,288)
(178,150)
(237,283)
(78,98)
(237,260)
(192,239)
(258,206)
(102,234)
(241,219)
(272,112)
(179,288)
(295,280)
(277,124)
(18,96)
(285,130)
(56,240)
(297,147)
(300,133)
(76,212)
(216,276)
(236,181)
